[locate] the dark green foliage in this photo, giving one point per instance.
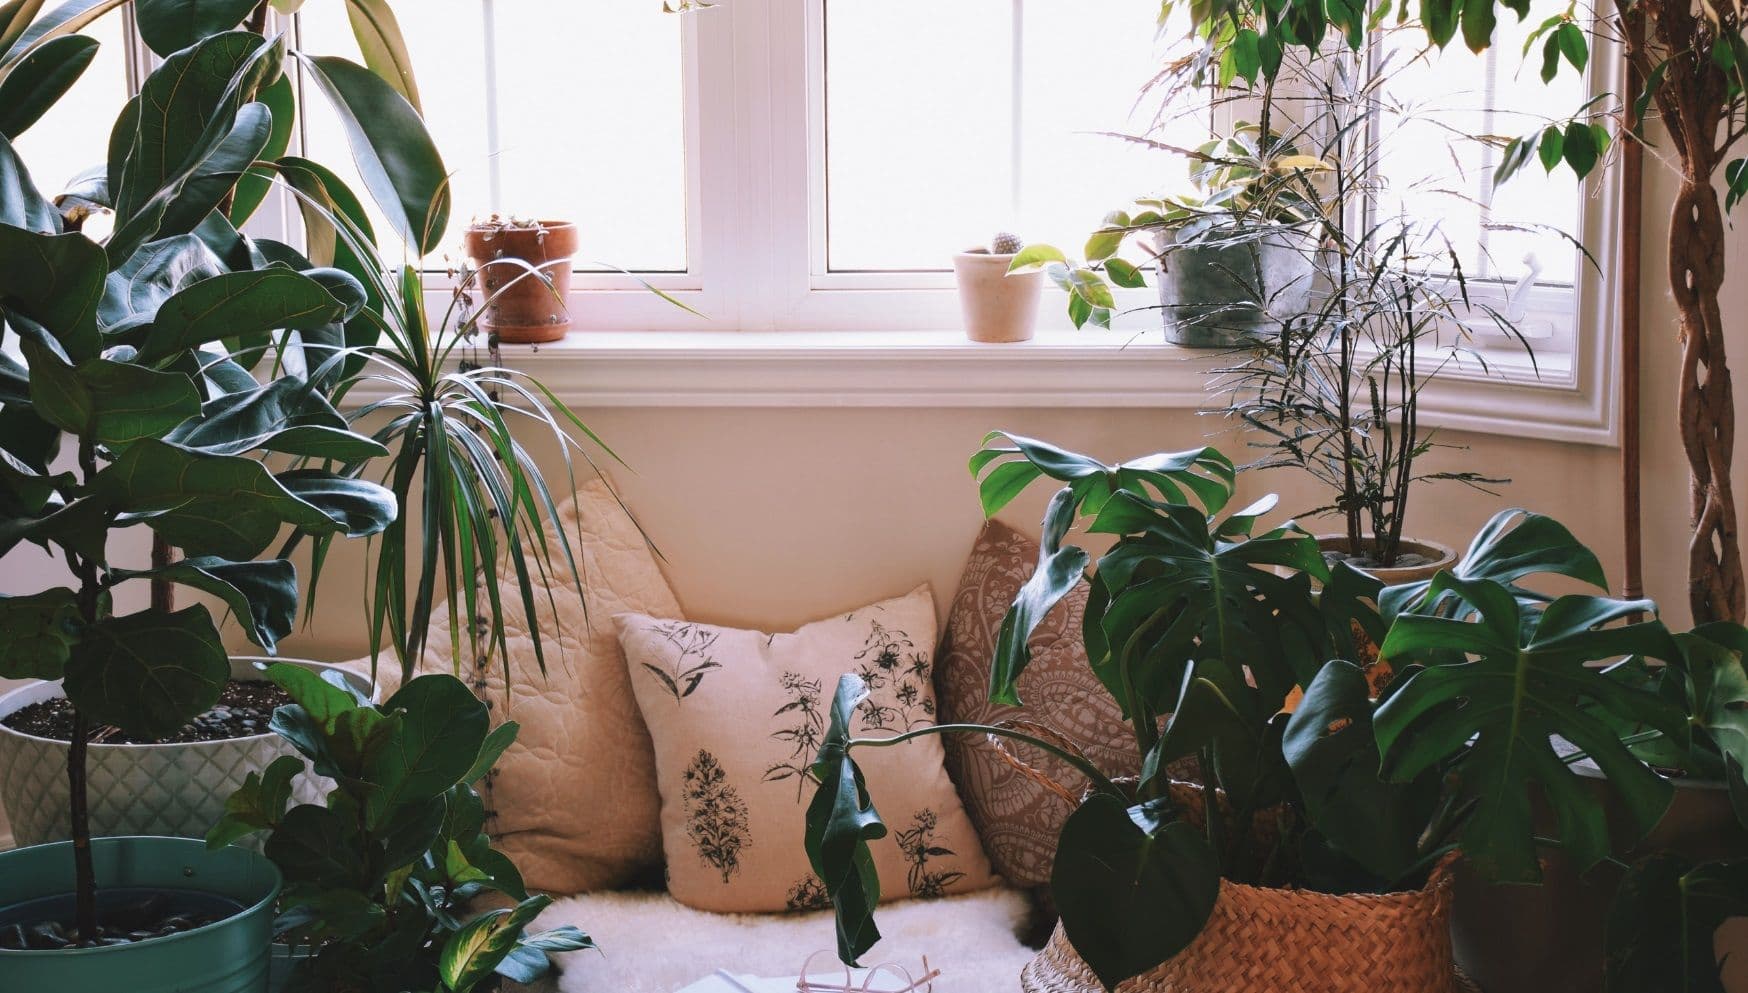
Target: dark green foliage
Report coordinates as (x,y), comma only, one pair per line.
(1201,629)
(378,879)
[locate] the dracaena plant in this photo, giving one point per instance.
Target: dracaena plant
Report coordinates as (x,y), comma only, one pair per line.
(379,877)
(130,403)
(1202,641)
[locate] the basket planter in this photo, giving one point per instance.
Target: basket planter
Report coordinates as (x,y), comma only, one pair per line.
(1233,286)
(1262,940)
(174,790)
(525,310)
(227,956)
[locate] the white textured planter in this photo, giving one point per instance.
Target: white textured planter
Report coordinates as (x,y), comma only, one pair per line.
(175,790)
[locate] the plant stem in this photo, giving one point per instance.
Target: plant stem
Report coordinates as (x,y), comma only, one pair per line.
(78,805)
(1081,765)
(1211,808)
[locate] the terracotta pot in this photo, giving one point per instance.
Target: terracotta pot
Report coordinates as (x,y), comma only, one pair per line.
(525,310)
(1443,557)
(997,307)
(1549,938)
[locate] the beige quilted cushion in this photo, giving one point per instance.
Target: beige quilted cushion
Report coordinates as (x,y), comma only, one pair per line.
(737,717)
(574,801)
(1017,818)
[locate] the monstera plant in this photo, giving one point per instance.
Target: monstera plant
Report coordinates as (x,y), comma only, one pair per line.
(1309,771)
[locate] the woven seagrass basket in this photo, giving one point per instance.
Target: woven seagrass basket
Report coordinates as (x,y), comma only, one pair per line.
(1279,940)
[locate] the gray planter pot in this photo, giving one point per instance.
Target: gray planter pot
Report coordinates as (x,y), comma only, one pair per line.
(162,790)
(1234,285)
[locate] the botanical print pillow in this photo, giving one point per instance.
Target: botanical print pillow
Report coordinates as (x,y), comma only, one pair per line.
(737,717)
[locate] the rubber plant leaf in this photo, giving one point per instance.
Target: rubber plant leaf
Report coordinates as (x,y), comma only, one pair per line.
(39,79)
(262,595)
(168,26)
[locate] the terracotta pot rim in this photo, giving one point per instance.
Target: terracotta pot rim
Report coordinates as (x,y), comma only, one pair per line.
(536,226)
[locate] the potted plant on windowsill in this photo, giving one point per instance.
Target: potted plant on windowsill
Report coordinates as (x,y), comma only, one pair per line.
(528,305)
(1344,810)
(999,305)
(127,367)
(1235,259)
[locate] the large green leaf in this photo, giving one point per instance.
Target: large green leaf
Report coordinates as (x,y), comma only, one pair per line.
(37,634)
(1060,568)
(285,416)
(32,86)
(169,26)
(1713,660)
(257,805)
(114,402)
(280,99)
(190,195)
(262,595)
(1512,544)
(1663,922)
(15,18)
(55,280)
(394,153)
(21,205)
(1005,470)
(186,109)
(385,50)
(238,304)
(841,820)
(319,847)
(1491,720)
(441,733)
(227,506)
(133,292)
(71,16)
(1134,887)
(148,673)
(1329,744)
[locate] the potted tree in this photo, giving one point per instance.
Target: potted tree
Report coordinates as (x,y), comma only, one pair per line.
(133,405)
(1235,258)
(1312,851)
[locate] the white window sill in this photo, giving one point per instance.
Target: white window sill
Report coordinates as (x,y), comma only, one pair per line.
(1090,368)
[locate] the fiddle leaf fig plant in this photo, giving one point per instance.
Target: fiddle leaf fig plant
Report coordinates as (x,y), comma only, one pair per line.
(379,877)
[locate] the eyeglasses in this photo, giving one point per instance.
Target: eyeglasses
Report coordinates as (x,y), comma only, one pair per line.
(923,983)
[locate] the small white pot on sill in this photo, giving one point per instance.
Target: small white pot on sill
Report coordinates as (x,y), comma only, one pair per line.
(175,790)
(998,307)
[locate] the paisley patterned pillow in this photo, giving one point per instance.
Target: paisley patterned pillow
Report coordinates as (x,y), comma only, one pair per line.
(737,717)
(1017,818)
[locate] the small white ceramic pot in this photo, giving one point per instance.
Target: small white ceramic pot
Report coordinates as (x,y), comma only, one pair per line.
(998,307)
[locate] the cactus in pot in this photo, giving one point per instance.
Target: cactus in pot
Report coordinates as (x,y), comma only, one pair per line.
(998,305)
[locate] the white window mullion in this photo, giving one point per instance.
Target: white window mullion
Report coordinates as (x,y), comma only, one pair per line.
(494,144)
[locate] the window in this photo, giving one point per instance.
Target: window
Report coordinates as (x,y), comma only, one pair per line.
(590,130)
(65,142)
(945,123)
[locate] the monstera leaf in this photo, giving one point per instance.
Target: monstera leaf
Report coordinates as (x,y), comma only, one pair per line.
(1331,747)
(1492,720)
(1004,471)
(841,820)
(1716,678)
(1513,544)
(1134,886)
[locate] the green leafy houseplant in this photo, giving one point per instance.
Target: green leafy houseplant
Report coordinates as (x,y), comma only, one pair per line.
(135,354)
(378,879)
(1248,214)
(1201,641)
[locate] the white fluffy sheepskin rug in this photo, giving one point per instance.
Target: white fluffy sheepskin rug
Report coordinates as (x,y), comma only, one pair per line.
(650,944)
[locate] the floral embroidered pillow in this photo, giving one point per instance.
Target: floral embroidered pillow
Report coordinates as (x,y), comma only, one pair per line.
(737,717)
